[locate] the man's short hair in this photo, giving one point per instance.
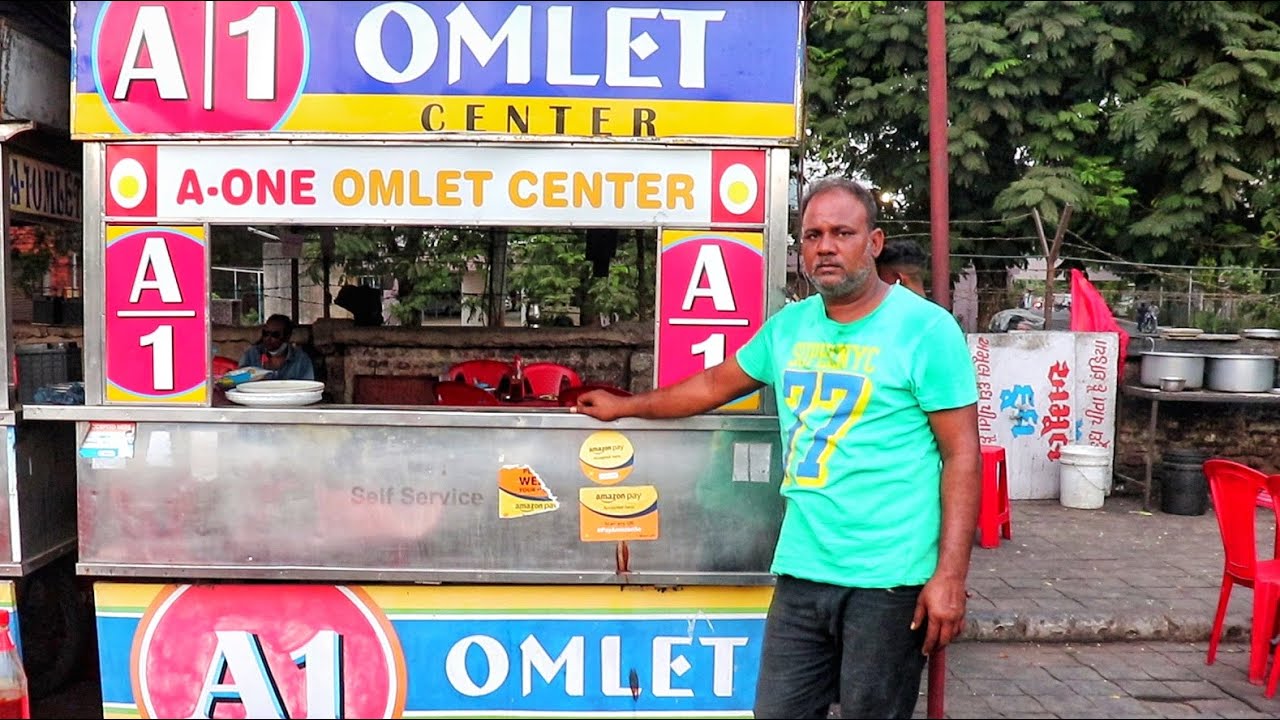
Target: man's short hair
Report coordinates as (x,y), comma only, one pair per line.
(284,321)
(857,190)
(903,254)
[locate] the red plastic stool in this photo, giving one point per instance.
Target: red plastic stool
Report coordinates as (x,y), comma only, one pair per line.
(935,696)
(994,517)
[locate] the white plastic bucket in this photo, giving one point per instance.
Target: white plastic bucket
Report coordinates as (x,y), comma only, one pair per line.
(1084,476)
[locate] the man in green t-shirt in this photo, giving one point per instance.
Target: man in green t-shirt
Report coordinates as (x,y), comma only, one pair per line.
(876,398)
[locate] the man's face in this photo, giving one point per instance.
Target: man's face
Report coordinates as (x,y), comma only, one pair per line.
(272,336)
(837,250)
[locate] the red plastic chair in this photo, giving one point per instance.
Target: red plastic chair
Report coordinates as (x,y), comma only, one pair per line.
(223,365)
(569,397)
(995,519)
(1273,490)
(1234,488)
(484,371)
(548,380)
(455,392)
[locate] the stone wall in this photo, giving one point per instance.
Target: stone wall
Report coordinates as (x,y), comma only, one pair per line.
(618,355)
(1246,433)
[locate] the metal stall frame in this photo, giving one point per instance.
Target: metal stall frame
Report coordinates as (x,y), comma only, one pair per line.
(752,434)
(21,561)
(36,587)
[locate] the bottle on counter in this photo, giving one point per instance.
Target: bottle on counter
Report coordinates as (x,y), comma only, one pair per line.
(14,699)
(516,393)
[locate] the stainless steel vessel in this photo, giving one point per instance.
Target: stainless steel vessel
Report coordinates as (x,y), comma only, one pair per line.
(1240,373)
(1188,366)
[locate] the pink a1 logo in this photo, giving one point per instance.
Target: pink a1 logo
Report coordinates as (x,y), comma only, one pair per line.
(267,651)
(200,67)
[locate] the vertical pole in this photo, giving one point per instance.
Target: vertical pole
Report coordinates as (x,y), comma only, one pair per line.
(326,265)
(939,201)
(295,290)
(497,290)
(6,331)
(1190,289)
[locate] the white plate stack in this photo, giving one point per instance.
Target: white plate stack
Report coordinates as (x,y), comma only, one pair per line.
(277,393)
(1180,333)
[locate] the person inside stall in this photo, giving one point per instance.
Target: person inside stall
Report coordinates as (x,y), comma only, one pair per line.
(903,262)
(274,352)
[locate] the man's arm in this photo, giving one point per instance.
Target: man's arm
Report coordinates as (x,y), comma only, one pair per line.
(695,395)
(943,597)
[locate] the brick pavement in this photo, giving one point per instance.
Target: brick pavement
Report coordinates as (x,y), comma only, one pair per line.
(1120,679)
(1113,573)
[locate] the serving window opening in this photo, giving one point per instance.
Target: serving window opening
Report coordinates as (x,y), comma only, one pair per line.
(492,318)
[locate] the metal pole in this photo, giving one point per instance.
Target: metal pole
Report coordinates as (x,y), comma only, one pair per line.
(1190,277)
(326,265)
(939,202)
(295,289)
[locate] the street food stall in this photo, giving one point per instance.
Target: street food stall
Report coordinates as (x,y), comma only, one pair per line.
(38,508)
(336,559)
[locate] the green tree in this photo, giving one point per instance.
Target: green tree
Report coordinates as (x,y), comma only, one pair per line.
(426,264)
(547,267)
(1159,122)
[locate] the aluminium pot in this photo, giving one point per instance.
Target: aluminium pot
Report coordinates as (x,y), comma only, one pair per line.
(1240,373)
(1188,366)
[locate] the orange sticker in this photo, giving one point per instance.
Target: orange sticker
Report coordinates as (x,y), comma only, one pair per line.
(521,493)
(624,513)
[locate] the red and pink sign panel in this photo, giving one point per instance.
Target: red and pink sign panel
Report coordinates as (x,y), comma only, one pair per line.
(157,333)
(235,651)
(168,67)
(710,301)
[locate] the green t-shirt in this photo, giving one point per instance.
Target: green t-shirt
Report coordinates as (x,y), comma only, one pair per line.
(863,472)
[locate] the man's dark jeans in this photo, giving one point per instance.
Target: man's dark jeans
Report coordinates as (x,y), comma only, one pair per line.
(826,643)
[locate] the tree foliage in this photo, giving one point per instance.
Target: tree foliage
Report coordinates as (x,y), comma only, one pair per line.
(1159,122)
(547,267)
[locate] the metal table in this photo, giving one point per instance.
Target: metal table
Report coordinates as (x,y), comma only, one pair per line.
(1156,396)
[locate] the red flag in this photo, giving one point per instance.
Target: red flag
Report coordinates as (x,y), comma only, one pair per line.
(1090,313)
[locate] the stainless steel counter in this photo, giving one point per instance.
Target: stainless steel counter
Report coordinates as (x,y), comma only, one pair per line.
(395,416)
(348,494)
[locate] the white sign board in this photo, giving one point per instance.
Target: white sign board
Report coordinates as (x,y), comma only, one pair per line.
(436,184)
(1038,391)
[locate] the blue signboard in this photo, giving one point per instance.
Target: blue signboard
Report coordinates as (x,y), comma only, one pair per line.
(662,71)
(233,650)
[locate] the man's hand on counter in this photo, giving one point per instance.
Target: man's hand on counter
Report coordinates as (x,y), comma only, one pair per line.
(601,405)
